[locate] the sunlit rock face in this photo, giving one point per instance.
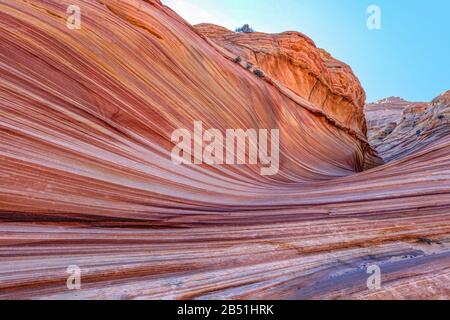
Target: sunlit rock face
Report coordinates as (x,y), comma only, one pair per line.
(86,118)
(292,59)
(292,62)
(398,128)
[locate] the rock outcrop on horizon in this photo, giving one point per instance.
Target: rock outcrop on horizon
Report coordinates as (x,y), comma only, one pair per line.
(86,118)
(383,116)
(398,128)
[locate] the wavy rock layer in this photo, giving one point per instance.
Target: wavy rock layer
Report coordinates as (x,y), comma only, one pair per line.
(86,177)
(292,62)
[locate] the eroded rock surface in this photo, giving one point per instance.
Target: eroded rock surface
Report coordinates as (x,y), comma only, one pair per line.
(292,59)
(398,128)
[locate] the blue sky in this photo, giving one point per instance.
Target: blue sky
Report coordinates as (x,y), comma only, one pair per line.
(409,57)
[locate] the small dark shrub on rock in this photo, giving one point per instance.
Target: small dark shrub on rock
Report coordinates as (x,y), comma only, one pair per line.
(238,59)
(245,29)
(249,65)
(259,73)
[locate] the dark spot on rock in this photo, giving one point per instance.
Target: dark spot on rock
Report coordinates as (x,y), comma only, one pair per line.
(259,73)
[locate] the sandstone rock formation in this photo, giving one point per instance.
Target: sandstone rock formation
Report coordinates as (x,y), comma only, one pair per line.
(383,116)
(398,128)
(292,59)
(87,179)
(292,62)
